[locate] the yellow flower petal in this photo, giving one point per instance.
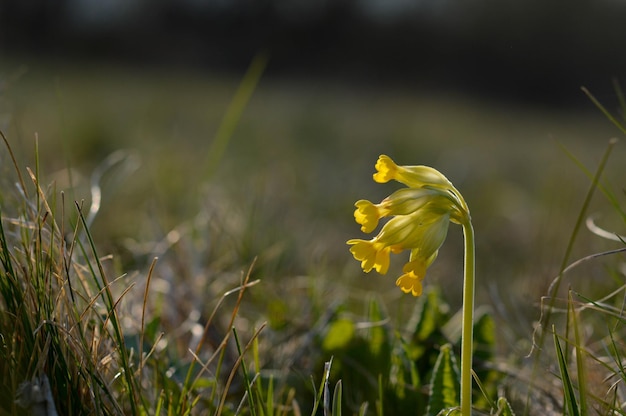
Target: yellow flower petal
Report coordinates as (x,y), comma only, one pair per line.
(386,169)
(416,268)
(409,283)
(367,215)
(371,254)
(382,261)
(411,176)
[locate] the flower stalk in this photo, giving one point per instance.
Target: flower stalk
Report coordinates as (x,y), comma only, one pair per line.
(467,335)
(419,216)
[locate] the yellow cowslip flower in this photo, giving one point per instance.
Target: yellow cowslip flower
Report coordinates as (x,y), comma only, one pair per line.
(372,254)
(412,176)
(401,202)
(416,177)
(420,216)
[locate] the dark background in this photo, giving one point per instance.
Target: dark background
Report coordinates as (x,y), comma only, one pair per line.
(534,51)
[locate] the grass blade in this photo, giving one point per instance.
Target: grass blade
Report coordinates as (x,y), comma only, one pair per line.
(604,111)
(620,96)
(244,369)
(580,359)
(504,407)
(320,393)
(112,315)
(546,315)
(337,399)
(568,388)
(233,113)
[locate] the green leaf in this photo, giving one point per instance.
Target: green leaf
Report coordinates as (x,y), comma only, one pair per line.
(379,347)
(339,335)
(568,388)
(445,390)
(484,337)
(484,351)
(378,338)
(427,316)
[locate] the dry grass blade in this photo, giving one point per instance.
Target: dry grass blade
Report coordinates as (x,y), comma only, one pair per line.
(142,360)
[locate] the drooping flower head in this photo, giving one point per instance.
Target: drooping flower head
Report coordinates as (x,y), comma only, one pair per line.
(419,218)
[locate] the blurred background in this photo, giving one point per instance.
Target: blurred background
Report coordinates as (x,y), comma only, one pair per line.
(540,51)
(488,92)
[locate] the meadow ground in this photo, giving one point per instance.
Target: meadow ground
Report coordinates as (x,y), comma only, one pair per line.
(282,191)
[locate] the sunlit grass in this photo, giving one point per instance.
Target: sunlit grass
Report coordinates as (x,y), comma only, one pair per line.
(126,333)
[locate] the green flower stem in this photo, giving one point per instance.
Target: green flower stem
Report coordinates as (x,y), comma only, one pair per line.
(468,320)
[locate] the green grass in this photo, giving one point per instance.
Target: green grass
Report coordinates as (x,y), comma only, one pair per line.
(254,290)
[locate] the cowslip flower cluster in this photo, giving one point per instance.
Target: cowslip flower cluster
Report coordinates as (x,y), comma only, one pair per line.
(419,218)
